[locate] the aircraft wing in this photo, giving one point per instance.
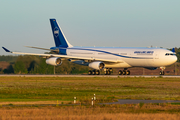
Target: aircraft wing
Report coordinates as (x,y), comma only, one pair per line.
(68,56)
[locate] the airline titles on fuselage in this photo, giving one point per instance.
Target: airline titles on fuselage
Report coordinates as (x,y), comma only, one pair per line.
(144,52)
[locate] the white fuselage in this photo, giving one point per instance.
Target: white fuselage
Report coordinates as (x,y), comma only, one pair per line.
(131,57)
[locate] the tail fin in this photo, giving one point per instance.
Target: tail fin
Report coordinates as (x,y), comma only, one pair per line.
(173,50)
(59,37)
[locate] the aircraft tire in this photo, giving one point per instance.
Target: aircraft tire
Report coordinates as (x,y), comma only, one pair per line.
(106,72)
(109,72)
(161,73)
(120,72)
(89,72)
(94,72)
(124,72)
(127,72)
(97,72)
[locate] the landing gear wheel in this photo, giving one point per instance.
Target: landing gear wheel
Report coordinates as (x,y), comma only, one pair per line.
(97,72)
(161,73)
(94,72)
(111,70)
(89,72)
(124,72)
(120,72)
(108,72)
(127,72)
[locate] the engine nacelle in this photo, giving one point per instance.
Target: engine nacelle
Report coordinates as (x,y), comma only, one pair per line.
(151,68)
(97,65)
(56,61)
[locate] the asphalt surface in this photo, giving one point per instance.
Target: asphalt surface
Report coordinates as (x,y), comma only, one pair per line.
(121,101)
(124,101)
(146,76)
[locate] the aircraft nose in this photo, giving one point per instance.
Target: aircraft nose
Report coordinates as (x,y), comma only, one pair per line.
(174,59)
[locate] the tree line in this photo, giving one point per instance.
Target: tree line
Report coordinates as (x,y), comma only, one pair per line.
(36,65)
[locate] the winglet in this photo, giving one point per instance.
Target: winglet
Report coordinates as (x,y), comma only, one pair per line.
(6,49)
(173,50)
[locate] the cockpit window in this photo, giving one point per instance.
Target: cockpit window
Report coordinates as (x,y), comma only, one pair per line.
(170,54)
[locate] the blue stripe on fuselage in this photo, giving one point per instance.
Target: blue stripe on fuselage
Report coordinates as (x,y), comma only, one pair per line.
(106,53)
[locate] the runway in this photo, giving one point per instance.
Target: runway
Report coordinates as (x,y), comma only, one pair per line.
(115,76)
(125,101)
(120,101)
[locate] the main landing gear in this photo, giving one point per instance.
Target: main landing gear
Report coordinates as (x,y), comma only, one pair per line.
(93,72)
(107,71)
(124,72)
(162,70)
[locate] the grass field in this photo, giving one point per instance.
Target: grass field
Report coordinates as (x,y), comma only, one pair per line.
(106,89)
(42,90)
(109,112)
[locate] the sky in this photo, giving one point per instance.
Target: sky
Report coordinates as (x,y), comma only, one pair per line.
(101,23)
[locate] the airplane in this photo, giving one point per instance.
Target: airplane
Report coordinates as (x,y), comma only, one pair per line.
(104,58)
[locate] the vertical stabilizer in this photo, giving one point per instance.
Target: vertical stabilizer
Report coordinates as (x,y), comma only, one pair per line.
(59,38)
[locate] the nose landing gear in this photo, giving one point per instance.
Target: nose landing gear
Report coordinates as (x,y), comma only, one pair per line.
(161,73)
(162,70)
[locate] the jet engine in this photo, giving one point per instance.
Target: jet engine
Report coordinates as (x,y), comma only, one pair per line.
(97,65)
(56,61)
